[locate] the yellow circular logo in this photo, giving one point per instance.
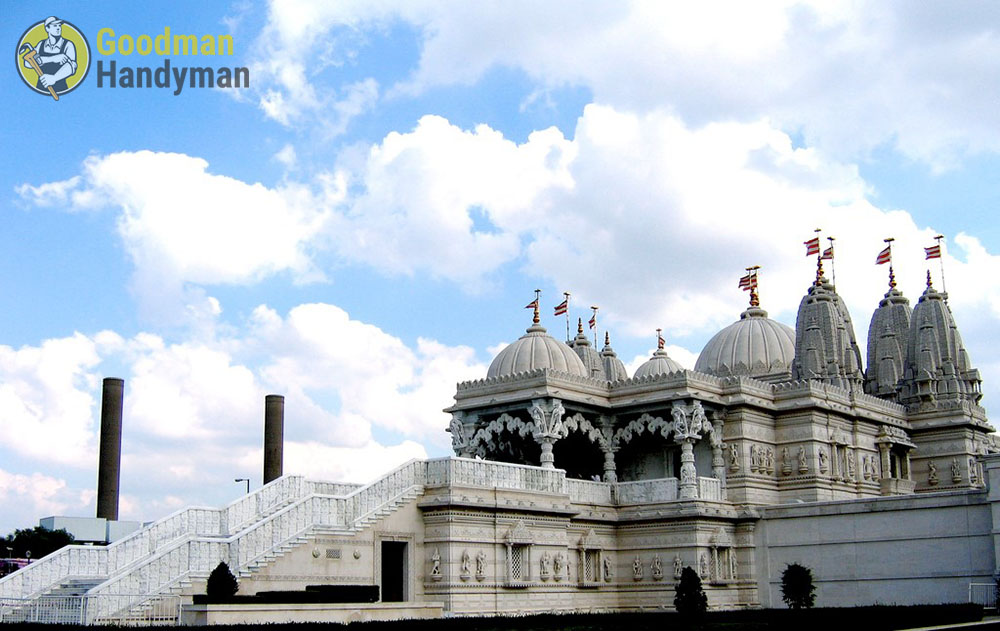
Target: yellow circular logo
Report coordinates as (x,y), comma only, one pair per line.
(53,57)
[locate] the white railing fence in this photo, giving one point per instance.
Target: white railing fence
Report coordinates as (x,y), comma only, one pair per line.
(984,594)
(77,610)
(101,561)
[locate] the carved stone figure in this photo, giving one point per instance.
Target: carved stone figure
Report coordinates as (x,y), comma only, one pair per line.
(732,565)
(734,458)
(932,474)
(703,567)
(956,472)
(678,567)
(436,566)
(851,470)
(769,460)
(655,568)
(973,471)
(803,466)
(559,566)
(546,565)
(786,463)
(637,569)
(480,565)
(608,570)
(466,565)
(824,461)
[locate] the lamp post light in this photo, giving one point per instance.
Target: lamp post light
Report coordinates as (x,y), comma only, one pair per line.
(247,480)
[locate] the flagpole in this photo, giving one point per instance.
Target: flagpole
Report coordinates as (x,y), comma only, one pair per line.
(819,258)
(833,265)
(566,294)
(754,297)
(537,319)
(892,276)
(594,318)
(944,286)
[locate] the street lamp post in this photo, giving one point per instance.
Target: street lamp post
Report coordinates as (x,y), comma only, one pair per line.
(247,480)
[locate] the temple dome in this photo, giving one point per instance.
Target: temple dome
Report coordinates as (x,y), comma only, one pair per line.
(753,346)
(658,364)
(534,350)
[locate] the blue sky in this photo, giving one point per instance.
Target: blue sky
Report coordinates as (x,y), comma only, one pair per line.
(361,227)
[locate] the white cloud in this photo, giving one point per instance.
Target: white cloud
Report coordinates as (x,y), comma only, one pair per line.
(46,404)
(448,201)
(320,352)
(27,498)
(182,224)
(850,77)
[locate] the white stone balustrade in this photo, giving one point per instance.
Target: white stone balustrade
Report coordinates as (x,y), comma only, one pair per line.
(489,474)
(645,491)
(95,562)
(588,492)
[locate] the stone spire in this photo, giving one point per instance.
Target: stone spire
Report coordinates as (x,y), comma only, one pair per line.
(587,354)
(937,367)
(614,369)
(825,347)
(887,338)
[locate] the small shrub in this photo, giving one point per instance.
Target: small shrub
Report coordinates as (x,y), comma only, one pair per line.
(690,599)
(797,589)
(222,585)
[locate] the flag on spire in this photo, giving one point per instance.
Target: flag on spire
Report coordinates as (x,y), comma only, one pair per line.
(933,252)
(884,256)
(593,320)
(659,339)
(562,307)
(532,305)
(827,253)
(748,282)
(812,246)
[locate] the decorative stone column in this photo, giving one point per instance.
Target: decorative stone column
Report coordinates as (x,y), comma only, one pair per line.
(688,487)
(718,455)
(883,449)
(548,427)
(688,424)
(461,435)
(609,447)
(905,474)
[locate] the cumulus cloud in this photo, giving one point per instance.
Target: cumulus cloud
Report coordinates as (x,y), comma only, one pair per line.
(849,77)
(46,400)
(182,224)
(26,498)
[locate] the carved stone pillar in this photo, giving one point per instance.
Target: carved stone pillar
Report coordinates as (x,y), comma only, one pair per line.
(718,457)
(688,487)
(610,473)
(883,449)
(905,474)
(548,427)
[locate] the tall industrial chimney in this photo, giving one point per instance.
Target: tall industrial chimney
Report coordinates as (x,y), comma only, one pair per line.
(109,464)
(274,436)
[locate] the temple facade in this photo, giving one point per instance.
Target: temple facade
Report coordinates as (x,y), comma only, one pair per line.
(576,487)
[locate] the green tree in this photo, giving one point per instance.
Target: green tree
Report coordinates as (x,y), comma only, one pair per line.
(222,584)
(690,599)
(37,541)
(797,589)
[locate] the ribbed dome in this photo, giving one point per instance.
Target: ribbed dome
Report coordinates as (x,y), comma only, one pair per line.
(536,349)
(658,364)
(753,346)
